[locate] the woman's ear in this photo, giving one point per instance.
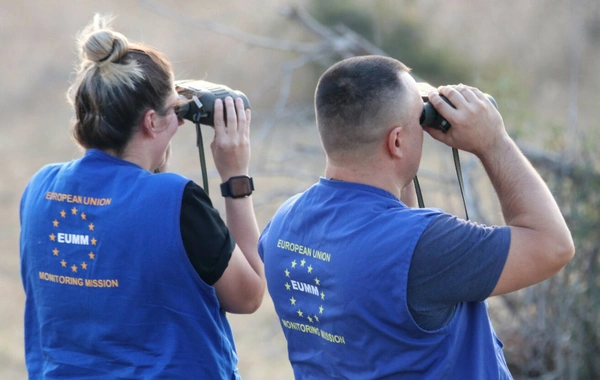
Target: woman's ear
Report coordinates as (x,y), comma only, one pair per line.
(395,142)
(148,123)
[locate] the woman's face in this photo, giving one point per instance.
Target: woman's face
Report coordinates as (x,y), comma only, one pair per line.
(168,122)
(167,125)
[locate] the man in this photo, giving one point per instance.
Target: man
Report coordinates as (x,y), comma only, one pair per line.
(368,287)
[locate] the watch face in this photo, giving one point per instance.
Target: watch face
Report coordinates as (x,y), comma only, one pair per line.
(240,187)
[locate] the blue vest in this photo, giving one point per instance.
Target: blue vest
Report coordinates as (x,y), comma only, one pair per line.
(337,260)
(110,290)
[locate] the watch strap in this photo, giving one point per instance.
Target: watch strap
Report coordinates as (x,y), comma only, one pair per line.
(237,187)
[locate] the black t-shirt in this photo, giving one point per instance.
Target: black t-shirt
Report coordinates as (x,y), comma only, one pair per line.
(207,241)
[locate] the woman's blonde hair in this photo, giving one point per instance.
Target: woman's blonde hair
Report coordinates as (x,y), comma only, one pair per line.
(117,82)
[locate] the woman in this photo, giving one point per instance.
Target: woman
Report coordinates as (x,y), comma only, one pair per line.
(127,273)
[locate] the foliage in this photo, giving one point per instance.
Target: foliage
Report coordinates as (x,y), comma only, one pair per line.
(503,84)
(557,334)
(400,37)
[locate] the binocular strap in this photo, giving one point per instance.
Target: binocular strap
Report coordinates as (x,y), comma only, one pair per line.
(460,184)
(200,145)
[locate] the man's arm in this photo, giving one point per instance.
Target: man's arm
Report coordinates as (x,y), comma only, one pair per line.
(541,243)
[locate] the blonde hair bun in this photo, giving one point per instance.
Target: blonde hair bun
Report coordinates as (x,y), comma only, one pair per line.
(99,44)
(117,82)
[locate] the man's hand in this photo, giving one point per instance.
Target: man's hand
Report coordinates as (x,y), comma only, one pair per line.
(541,243)
(476,124)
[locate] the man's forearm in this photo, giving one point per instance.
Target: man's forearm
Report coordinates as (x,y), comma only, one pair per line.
(541,243)
(525,199)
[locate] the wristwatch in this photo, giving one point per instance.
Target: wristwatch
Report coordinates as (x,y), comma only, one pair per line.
(237,187)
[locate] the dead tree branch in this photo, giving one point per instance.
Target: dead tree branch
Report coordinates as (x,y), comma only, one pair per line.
(335,43)
(558,165)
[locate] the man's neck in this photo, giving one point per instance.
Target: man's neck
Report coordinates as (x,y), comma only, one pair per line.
(372,175)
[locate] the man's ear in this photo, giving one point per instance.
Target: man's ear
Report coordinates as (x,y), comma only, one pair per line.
(396,142)
(148,123)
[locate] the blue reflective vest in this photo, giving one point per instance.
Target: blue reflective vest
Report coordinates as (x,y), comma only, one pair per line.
(110,290)
(336,261)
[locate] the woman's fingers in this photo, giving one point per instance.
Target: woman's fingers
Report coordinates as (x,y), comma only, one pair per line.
(232,122)
(218,118)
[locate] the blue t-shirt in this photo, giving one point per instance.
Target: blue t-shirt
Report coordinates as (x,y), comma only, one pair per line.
(454,261)
(337,261)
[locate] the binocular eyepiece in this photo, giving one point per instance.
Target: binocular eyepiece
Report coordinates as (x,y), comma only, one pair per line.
(197,100)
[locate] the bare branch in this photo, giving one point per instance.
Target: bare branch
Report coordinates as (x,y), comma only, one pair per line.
(299,14)
(556,164)
(225,30)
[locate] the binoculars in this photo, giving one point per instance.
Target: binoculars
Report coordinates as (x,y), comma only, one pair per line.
(197,100)
(430,117)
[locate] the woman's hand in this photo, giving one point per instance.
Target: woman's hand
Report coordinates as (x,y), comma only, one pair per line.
(231,145)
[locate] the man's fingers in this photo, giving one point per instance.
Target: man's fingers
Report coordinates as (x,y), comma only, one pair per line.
(453,94)
(439,104)
(467,93)
(477,92)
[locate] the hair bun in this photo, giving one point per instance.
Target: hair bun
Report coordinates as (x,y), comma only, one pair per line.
(98,43)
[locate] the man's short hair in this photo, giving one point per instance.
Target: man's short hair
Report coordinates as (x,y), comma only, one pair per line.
(354,97)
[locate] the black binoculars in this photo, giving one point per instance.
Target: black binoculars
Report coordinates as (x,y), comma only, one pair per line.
(197,100)
(430,117)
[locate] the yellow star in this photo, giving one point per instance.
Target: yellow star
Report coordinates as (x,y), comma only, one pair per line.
(316,318)
(55,223)
(52,237)
(317,281)
(321,309)
(74,211)
(91,226)
(84,265)
(293,300)
(74,268)
(309,318)
(294,264)
(91,255)
(63,213)
(309,268)
(63,263)
(83,216)
(302,262)
(94,241)
(287,286)
(300,312)
(55,251)
(287,273)
(322,295)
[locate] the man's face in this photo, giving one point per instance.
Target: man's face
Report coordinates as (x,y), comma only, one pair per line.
(414,107)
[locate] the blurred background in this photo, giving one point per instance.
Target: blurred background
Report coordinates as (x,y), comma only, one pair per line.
(539,59)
